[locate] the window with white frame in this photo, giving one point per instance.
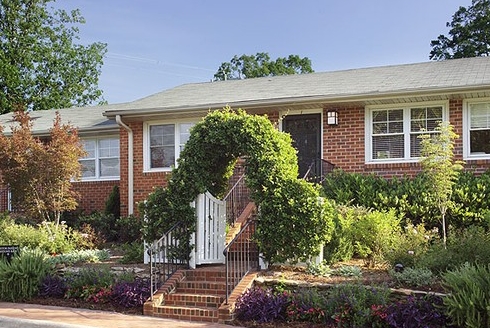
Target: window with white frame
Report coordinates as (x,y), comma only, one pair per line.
(478,129)
(392,134)
(163,143)
(102,158)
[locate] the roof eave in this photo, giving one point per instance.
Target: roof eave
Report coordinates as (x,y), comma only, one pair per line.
(267,103)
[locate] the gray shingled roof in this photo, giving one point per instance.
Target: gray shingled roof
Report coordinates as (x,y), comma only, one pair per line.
(457,75)
(449,75)
(87,119)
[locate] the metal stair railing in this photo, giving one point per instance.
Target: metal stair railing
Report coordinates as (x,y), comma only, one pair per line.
(163,261)
(241,256)
(318,170)
(236,200)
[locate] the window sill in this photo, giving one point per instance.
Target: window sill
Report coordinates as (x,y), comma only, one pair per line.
(98,179)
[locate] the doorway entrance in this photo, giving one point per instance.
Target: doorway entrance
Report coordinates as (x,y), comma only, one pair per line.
(306,132)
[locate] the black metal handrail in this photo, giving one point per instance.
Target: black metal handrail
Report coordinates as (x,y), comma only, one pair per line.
(318,169)
(163,260)
(241,256)
(236,200)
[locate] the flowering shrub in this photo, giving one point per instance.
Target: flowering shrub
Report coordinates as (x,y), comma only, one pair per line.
(261,305)
(307,305)
(351,305)
(131,294)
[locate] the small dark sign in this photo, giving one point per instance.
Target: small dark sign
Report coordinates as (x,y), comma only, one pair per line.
(8,251)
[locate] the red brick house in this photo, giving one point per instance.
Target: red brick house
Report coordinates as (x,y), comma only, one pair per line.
(361,120)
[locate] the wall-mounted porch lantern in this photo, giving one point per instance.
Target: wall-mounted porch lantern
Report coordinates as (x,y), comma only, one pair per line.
(332,117)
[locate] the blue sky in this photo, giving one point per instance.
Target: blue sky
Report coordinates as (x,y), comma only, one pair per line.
(154,45)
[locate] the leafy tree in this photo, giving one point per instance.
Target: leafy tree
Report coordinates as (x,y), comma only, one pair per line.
(41,66)
(441,168)
(469,34)
(39,171)
(260,65)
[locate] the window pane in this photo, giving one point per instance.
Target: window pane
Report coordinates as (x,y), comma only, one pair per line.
(434,113)
(418,125)
(162,135)
(480,142)
(109,148)
(380,116)
(109,167)
(89,146)
(388,121)
(425,118)
(395,115)
(380,128)
(385,147)
(395,127)
(480,116)
(162,156)
(88,168)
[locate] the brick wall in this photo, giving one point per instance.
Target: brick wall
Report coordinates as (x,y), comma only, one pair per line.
(93,194)
(144,182)
(343,145)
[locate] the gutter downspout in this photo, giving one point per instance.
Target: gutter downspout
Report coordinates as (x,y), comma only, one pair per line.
(130,164)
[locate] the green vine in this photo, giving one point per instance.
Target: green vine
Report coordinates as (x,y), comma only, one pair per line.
(292,221)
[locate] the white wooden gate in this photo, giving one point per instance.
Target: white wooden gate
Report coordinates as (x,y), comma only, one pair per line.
(210,231)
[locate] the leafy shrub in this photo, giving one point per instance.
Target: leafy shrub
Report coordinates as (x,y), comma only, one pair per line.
(375,233)
(341,245)
(261,305)
(90,237)
(414,277)
(321,269)
(131,293)
(100,222)
(468,301)
(133,252)
(47,236)
(471,194)
(129,229)
(305,222)
(411,245)
(348,271)
(307,304)
(415,312)
(113,203)
(472,245)
(88,282)
(52,286)
(20,278)
(352,305)
(471,197)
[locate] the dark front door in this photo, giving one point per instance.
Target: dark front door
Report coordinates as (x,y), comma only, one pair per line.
(305,130)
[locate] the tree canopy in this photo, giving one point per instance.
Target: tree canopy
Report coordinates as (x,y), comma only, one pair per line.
(260,65)
(469,34)
(38,171)
(41,65)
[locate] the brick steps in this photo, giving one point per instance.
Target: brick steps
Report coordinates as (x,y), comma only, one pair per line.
(199,294)
(195,296)
(194,300)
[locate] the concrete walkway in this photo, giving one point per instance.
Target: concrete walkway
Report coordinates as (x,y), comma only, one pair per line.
(51,316)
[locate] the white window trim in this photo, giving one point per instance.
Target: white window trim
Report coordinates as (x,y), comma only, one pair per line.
(466,129)
(146,144)
(97,159)
(406,128)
